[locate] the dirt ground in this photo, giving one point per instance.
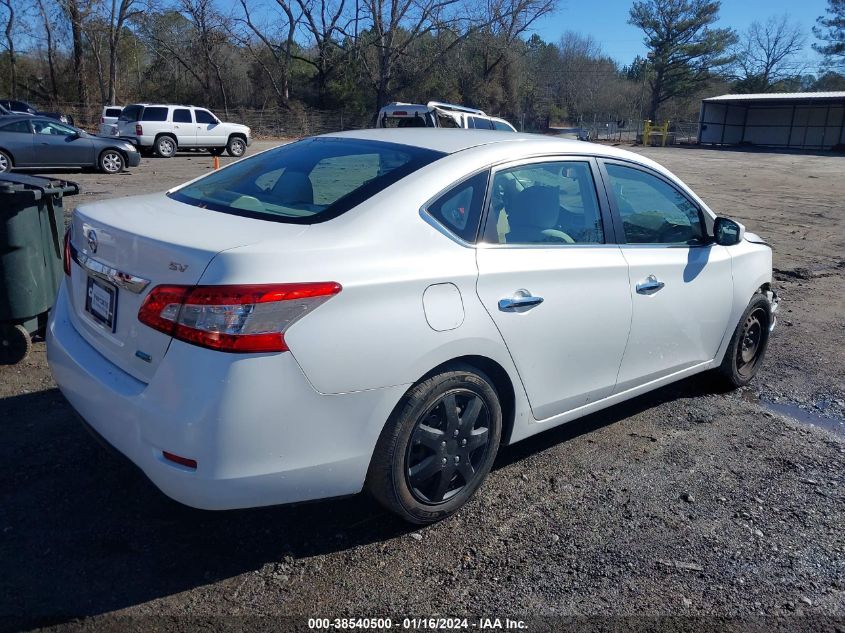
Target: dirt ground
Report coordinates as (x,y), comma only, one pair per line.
(684,502)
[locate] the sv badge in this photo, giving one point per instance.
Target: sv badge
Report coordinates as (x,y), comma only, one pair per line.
(178,267)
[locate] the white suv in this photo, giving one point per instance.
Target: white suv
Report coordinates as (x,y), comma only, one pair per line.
(164,129)
(438,114)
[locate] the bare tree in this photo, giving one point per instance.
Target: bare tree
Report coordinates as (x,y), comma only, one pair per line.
(77,12)
(280,49)
(10,46)
(47,25)
(120,11)
(766,53)
(507,21)
(395,25)
(325,22)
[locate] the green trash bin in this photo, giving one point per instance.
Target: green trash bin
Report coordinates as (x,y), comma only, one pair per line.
(32,227)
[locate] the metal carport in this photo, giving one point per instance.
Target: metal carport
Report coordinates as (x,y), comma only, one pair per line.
(798,120)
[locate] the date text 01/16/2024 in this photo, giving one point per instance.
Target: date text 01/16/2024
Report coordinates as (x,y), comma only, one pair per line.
(416,624)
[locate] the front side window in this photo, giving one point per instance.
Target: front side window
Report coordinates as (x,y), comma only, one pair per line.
(459,209)
(19,127)
(182,116)
(652,210)
(204,116)
(544,203)
(306,182)
(52,129)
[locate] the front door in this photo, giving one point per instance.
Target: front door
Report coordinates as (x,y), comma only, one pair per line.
(557,291)
(57,144)
(680,280)
(209,129)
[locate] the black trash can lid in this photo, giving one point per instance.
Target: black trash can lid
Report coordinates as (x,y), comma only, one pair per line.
(38,186)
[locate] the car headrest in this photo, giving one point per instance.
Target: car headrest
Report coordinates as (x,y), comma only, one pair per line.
(294,187)
(537,206)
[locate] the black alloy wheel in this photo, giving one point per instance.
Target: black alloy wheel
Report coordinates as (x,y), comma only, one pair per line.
(448,445)
(438,445)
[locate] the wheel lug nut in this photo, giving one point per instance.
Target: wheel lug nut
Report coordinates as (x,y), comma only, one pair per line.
(442,443)
(463,442)
(455,433)
(457,458)
(443,461)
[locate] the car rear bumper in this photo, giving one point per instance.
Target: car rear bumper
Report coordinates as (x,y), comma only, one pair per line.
(133,159)
(260,434)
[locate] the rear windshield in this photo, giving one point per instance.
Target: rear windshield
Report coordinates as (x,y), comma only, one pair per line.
(131,113)
(113,112)
(412,120)
(306,182)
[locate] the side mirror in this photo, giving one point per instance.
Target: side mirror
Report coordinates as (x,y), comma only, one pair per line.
(727,232)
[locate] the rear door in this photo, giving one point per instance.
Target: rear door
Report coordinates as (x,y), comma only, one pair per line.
(16,138)
(184,127)
(554,282)
(681,286)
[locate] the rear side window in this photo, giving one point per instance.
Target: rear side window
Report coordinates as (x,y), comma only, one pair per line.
(306,182)
(154,114)
(501,125)
(113,112)
(480,124)
(21,127)
(131,113)
(459,209)
(552,203)
(182,116)
(204,116)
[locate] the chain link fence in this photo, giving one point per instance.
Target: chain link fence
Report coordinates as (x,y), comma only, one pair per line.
(680,132)
(265,122)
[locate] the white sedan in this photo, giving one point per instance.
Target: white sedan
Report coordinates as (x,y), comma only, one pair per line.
(384,309)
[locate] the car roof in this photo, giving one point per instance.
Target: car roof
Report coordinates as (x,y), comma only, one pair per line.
(450,141)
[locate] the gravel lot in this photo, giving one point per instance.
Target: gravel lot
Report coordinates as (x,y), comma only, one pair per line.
(684,502)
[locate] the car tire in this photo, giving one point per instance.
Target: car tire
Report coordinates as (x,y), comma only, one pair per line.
(747,346)
(236,147)
(111,162)
(165,146)
(6,163)
(428,463)
(216,151)
(15,343)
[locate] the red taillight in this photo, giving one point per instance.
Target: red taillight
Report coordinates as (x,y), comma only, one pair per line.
(251,318)
(66,261)
(400,113)
(182,461)
(138,129)
(102,119)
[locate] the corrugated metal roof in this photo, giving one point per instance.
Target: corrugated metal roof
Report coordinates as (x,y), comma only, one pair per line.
(780,96)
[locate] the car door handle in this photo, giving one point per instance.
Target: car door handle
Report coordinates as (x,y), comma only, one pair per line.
(651,285)
(520,299)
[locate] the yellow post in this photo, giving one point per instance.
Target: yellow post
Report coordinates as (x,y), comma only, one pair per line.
(665,132)
(647,132)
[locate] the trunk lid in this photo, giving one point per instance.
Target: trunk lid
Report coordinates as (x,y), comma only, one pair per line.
(126,247)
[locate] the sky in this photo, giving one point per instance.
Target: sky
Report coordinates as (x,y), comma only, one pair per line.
(607,22)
